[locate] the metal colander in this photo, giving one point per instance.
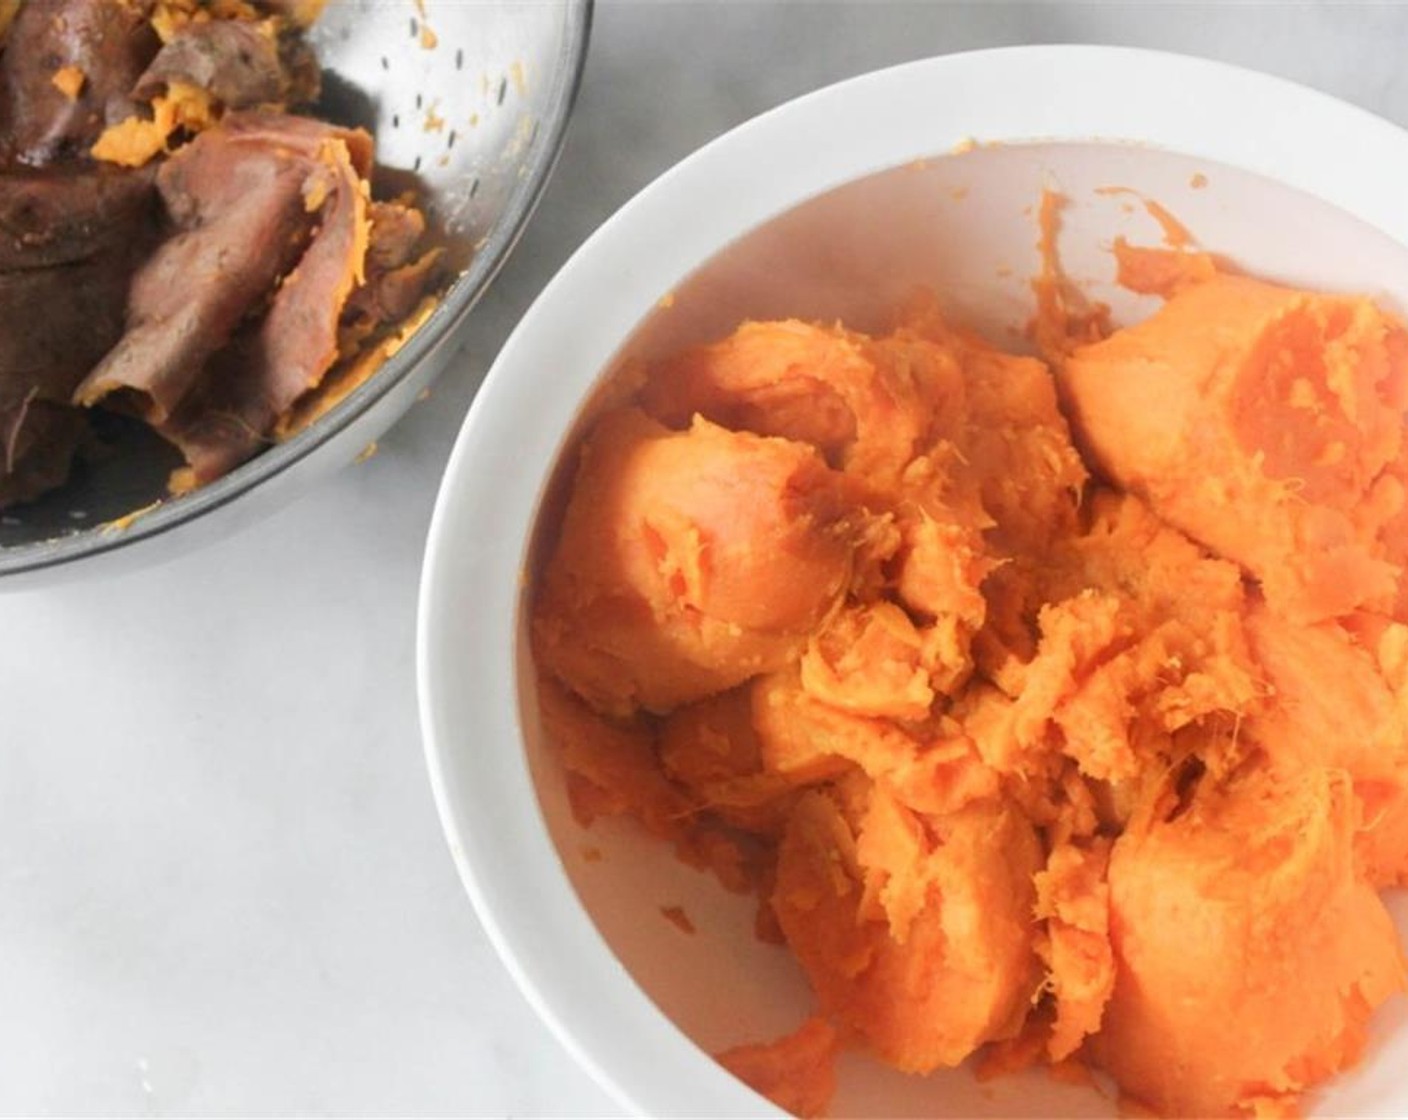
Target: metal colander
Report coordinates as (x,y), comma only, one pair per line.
(468,103)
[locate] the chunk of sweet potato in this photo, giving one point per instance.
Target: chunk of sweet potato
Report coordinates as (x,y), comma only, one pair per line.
(1333,707)
(688,562)
(1249,953)
(1268,424)
(1074,899)
(959,889)
(710,748)
(866,404)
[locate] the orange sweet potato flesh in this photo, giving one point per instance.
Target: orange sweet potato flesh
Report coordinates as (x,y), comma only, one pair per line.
(1083,743)
(922,946)
(1139,636)
(712,750)
(1338,709)
(1250,955)
(615,764)
(689,562)
(866,404)
(1268,424)
(1073,896)
(796,1072)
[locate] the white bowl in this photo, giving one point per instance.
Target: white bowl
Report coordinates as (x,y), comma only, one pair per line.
(833,205)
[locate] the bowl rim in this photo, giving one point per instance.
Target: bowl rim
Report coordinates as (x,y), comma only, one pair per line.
(440,329)
(510,439)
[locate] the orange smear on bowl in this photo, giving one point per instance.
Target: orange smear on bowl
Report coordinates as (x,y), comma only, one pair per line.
(1176,234)
(797,1072)
(1065,318)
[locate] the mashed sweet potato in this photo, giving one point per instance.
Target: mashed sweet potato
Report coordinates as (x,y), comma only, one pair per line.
(1093,759)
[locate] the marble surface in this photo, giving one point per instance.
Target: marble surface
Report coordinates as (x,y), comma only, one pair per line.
(223,889)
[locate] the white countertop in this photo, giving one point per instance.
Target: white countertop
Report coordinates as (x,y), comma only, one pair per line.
(223,888)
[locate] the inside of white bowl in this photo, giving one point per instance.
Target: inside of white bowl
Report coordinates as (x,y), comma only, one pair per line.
(964,225)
